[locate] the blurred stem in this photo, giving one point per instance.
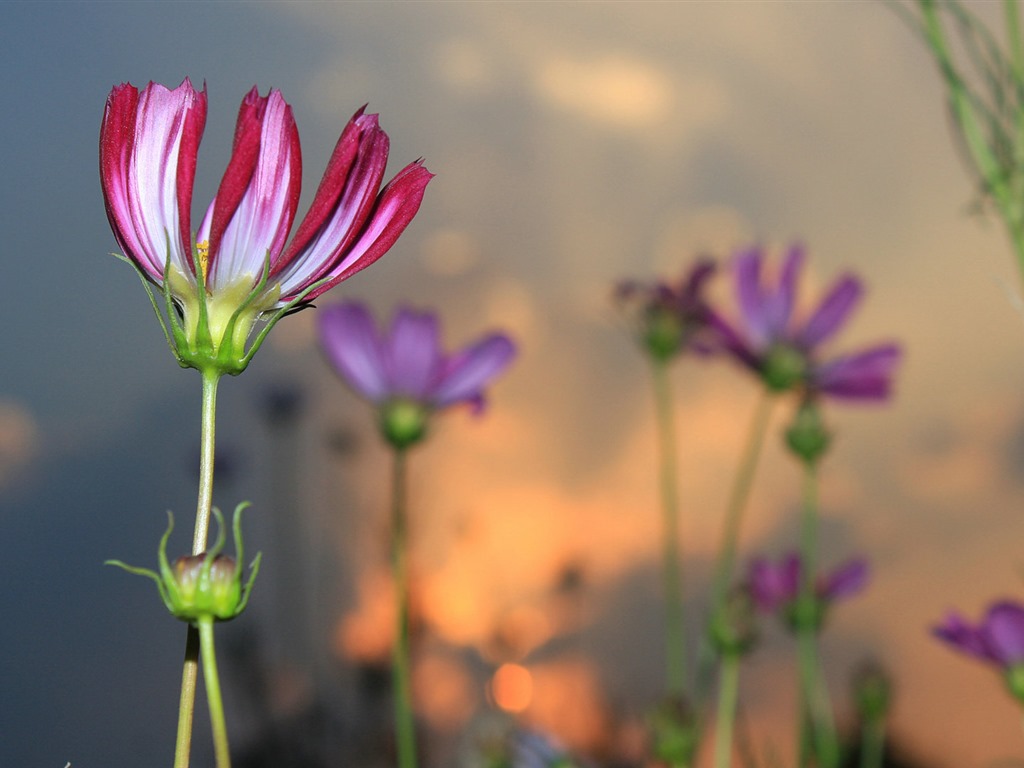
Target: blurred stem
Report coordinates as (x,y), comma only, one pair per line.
(728,695)
(815,708)
(190,669)
(213,697)
(872,742)
(999,181)
(405,733)
(672,576)
(738,499)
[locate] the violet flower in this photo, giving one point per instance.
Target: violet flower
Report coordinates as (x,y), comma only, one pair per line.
(667,318)
(238,269)
(404,371)
(998,639)
(785,351)
(775,587)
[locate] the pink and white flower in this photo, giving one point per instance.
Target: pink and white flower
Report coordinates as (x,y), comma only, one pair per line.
(240,268)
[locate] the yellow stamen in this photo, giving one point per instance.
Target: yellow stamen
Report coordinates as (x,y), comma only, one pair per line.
(203,252)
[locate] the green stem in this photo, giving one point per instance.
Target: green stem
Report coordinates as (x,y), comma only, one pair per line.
(872,742)
(742,484)
(672,576)
(190,668)
(212,681)
(815,708)
(728,695)
(405,733)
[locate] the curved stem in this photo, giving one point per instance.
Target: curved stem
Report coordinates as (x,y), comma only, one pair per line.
(405,732)
(672,576)
(212,681)
(738,498)
(728,694)
(190,668)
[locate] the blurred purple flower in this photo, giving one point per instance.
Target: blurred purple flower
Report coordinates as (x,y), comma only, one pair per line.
(667,318)
(404,371)
(998,639)
(775,586)
(784,351)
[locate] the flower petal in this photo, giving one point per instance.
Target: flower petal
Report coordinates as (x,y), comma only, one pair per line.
(778,306)
(751,298)
(831,313)
(467,373)
(864,375)
(148,147)
(349,338)
(846,580)
(963,636)
(414,354)
(1003,632)
(395,207)
(255,205)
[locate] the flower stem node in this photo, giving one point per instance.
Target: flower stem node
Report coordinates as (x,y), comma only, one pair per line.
(806,436)
(207,585)
(403,422)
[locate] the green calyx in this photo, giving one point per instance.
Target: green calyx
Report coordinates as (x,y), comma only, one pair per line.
(1014,676)
(675,732)
(663,334)
(210,331)
(806,436)
(203,586)
(733,628)
(784,368)
(403,422)
(805,613)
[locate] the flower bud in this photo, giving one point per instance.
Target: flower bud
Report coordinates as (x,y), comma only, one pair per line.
(675,732)
(204,586)
(734,626)
(806,436)
(1014,676)
(872,691)
(784,368)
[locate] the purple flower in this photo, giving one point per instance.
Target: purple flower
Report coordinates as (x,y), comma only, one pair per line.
(669,319)
(786,352)
(998,639)
(404,371)
(240,267)
(775,587)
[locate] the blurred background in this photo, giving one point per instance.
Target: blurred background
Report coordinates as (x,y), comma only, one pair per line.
(574,144)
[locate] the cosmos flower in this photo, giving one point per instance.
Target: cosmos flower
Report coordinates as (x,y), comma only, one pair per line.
(785,351)
(998,640)
(404,371)
(238,268)
(775,587)
(667,318)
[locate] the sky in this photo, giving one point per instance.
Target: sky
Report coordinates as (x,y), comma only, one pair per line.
(574,144)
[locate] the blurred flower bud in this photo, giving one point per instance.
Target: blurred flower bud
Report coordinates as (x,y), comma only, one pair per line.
(403,422)
(734,626)
(806,436)
(872,691)
(675,732)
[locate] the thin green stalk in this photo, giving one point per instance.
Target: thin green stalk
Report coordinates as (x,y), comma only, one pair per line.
(742,484)
(405,732)
(815,708)
(872,742)
(728,695)
(212,681)
(672,576)
(190,668)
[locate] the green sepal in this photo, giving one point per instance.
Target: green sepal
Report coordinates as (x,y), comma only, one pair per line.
(403,422)
(204,586)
